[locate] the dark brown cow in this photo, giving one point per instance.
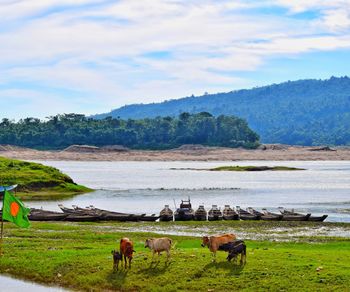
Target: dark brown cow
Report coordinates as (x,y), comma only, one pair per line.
(126,250)
(117,257)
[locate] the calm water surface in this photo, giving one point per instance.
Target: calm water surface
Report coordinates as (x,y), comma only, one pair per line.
(144,187)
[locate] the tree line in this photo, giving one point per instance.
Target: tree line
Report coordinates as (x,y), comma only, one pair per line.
(60,131)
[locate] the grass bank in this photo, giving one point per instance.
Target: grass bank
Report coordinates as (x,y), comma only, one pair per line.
(78,256)
(36,181)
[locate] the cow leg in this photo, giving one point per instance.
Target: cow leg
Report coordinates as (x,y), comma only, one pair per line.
(129,263)
(167,255)
(125,266)
(153,253)
(214,256)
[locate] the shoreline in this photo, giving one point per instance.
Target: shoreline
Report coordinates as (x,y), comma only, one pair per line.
(285,153)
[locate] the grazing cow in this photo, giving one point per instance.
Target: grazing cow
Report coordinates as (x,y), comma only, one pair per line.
(239,248)
(213,242)
(234,249)
(157,245)
(116,258)
(126,250)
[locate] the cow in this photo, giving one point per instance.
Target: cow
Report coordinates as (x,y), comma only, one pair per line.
(117,257)
(234,249)
(213,242)
(126,250)
(238,247)
(157,245)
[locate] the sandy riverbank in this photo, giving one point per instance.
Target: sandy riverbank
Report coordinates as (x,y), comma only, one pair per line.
(283,152)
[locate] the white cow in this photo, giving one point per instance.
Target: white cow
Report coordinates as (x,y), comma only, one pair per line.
(157,245)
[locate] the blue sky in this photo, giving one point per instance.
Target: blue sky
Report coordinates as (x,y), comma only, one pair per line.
(91,56)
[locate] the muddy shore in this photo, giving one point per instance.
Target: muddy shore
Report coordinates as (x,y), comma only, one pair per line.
(281,153)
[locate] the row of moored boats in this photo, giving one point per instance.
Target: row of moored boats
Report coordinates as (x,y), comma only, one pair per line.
(183,213)
(88,214)
(186,213)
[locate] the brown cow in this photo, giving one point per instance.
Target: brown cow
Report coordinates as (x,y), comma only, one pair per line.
(126,249)
(213,242)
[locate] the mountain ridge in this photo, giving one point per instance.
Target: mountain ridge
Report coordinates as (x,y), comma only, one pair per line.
(302,112)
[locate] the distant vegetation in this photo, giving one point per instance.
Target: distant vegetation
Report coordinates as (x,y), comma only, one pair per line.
(37,181)
(253,168)
(158,133)
(305,112)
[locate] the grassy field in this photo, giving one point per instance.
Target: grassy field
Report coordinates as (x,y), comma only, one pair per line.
(36,181)
(78,256)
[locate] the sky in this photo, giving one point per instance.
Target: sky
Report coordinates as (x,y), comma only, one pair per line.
(91,56)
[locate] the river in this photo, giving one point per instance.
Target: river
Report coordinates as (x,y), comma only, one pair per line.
(145,187)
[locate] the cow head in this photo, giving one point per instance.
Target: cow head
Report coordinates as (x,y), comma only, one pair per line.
(148,243)
(205,241)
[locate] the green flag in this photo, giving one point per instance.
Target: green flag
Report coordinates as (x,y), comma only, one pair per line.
(14,211)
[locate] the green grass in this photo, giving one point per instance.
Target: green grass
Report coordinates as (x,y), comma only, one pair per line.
(37,181)
(78,256)
(254,168)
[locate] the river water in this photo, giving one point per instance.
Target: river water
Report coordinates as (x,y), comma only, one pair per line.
(145,187)
(8,284)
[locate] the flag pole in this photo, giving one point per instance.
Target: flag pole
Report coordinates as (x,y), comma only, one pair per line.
(2,224)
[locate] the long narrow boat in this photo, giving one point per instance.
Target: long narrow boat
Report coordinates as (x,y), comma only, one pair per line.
(67,210)
(264,216)
(293,216)
(166,214)
(317,218)
(229,214)
(43,215)
(245,215)
(149,218)
(81,218)
(200,214)
(214,213)
(184,212)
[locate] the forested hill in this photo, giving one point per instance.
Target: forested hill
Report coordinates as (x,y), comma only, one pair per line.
(304,112)
(159,133)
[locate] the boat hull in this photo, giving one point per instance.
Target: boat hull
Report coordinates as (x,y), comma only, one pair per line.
(231,217)
(166,218)
(295,217)
(317,218)
(214,217)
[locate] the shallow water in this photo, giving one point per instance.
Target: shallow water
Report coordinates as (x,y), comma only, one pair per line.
(9,284)
(144,187)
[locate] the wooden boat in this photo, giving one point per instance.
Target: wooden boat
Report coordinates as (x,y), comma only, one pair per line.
(149,218)
(317,218)
(185,212)
(200,214)
(245,215)
(214,213)
(81,218)
(229,214)
(265,216)
(43,215)
(293,216)
(67,210)
(166,214)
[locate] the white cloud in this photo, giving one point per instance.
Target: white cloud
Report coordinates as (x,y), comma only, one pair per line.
(100,50)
